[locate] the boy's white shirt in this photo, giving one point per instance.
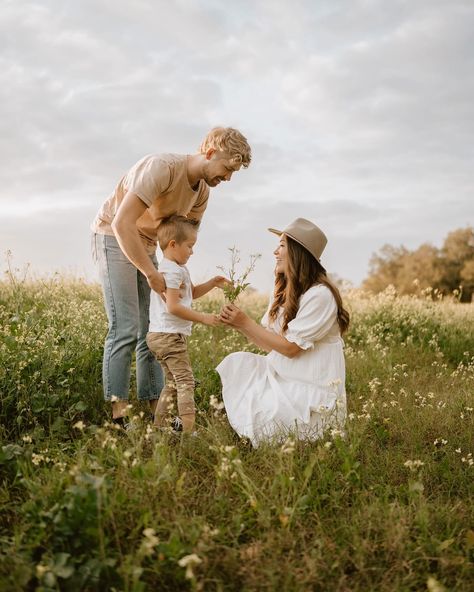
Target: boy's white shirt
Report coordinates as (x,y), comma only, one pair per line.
(177,277)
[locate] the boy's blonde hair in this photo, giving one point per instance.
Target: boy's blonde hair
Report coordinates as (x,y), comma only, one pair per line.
(177,228)
(228,140)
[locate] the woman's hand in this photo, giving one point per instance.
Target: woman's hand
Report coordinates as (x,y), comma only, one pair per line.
(233,316)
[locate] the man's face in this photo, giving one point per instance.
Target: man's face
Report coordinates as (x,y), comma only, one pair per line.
(219,166)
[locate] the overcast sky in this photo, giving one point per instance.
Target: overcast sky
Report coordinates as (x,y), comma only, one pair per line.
(360,114)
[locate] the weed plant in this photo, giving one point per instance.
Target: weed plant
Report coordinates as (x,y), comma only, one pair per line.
(387,506)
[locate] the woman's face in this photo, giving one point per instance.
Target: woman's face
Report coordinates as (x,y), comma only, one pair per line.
(281,255)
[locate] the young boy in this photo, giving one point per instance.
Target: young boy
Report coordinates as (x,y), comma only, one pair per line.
(171,320)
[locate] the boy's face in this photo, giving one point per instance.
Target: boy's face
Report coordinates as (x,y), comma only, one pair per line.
(180,253)
(219,166)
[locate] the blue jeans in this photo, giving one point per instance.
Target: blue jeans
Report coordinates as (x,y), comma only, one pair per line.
(127,301)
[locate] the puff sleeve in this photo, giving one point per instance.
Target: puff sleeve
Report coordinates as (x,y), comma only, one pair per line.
(315,317)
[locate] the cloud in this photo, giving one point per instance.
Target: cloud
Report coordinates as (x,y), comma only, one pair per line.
(360,116)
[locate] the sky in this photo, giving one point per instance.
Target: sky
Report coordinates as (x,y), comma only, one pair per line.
(360,114)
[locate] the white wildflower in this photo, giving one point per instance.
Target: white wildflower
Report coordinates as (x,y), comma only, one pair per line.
(37,459)
(149,542)
(288,446)
(189,561)
(413,464)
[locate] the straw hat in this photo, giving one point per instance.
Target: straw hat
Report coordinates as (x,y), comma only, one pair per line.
(307,234)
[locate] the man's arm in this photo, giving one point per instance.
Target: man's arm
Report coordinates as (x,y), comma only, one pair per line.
(125,229)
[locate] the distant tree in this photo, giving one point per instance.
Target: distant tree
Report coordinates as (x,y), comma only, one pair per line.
(467,279)
(420,269)
(384,268)
(447,269)
(457,254)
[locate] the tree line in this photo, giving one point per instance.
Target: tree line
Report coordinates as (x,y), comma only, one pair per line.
(446,270)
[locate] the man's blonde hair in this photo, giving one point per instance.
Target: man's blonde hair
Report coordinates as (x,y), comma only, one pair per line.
(177,228)
(228,140)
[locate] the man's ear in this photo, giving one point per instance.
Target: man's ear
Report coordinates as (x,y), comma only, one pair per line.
(210,153)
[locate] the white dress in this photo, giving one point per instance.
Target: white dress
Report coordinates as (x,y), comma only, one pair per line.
(267,397)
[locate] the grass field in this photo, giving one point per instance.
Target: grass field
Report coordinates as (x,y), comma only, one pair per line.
(84,507)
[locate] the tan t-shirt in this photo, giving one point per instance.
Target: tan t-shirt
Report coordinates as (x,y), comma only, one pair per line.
(161,182)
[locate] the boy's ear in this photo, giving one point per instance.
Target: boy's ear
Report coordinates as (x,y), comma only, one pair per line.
(210,153)
(172,243)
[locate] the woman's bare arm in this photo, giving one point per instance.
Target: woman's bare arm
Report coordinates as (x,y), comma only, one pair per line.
(267,340)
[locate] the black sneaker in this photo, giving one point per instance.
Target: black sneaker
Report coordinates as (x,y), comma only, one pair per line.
(124,423)
(177,425)
(119,421)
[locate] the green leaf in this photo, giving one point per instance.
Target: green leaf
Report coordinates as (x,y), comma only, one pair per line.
(445,544)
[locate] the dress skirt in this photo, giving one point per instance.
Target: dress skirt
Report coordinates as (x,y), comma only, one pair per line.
(269,397)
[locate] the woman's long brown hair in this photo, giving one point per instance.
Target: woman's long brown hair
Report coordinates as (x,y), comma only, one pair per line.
(303,271)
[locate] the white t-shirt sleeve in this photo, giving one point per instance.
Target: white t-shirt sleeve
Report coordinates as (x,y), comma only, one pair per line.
(173,274)
(314,319)
(149,179)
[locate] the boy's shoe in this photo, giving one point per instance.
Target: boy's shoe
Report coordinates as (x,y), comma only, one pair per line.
(120,422)
(177,425)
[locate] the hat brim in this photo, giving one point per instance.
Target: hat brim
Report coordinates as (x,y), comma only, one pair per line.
(275,231)
(280,232)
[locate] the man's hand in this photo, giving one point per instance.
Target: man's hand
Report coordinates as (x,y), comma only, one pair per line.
(156,281)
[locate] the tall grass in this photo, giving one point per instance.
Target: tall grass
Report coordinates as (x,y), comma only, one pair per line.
(86,507)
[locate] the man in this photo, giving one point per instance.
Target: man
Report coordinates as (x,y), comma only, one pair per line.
(124,244)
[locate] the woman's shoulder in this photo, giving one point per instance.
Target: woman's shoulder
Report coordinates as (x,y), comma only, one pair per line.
(318,297)
(317,291)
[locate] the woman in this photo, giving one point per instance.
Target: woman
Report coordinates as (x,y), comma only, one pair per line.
(299,385)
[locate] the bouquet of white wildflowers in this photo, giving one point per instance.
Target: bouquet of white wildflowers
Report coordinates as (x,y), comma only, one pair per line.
(238,282)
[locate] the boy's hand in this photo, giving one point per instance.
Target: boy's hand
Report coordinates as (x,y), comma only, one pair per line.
(220,281)
(210,319)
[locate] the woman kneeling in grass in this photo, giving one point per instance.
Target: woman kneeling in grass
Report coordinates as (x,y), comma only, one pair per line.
(299,385)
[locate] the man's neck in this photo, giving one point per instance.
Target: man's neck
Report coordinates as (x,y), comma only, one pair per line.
(194,166)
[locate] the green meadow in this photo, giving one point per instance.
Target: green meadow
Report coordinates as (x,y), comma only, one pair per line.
(387,505)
